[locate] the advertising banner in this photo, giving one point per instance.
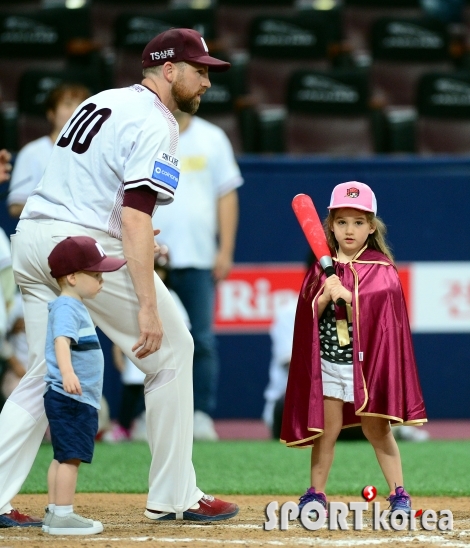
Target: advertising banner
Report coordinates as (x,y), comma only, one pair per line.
(437,296)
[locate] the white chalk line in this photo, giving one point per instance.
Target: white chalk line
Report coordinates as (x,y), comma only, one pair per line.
(440,540)
(289,541)
(437,540)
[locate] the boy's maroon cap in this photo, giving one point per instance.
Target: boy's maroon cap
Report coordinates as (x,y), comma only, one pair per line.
(77,253)
(180,45)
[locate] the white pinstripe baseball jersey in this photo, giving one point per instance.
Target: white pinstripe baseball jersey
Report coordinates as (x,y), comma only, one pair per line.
(117,139)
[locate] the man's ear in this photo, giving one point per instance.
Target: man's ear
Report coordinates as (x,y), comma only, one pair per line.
(169,71)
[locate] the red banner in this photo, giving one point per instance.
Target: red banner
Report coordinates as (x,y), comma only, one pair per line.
(247,300)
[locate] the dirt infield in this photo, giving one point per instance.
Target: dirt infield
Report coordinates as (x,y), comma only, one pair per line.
(126,526)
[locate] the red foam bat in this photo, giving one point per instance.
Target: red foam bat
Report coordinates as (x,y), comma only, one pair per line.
(313,229)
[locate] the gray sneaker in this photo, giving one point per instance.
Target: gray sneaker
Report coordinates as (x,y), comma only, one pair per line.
(47,520)
(73,524)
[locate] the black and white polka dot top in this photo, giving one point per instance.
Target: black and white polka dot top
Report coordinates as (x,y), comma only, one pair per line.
(329,346)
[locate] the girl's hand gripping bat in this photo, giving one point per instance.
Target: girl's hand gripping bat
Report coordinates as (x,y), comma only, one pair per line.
(313,229)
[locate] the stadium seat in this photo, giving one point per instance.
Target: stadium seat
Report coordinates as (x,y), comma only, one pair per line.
(263,3)
(359,15)
(270,129)
(329,113)
(384,3)
(233,21)
(137,4)
(23,4)
(403,50)
(42,33)
(226,105)
(280,45)
(37,39)
(443,103)
(399,129)
(132,32)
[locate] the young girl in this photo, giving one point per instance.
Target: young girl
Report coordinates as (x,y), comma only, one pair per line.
(354,364)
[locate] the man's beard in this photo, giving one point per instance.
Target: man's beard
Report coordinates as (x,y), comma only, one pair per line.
(186,101)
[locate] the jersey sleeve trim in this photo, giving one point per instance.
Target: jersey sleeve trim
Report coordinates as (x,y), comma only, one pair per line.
(165,194)
(141,198)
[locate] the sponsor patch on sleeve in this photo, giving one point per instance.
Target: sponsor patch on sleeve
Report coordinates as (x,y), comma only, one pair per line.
(165,174)
(169,159)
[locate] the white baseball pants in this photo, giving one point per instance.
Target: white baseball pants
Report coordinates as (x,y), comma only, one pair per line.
(168,382)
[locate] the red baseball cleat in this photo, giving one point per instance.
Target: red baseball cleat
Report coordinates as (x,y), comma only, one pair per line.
(13,518)
(210,509)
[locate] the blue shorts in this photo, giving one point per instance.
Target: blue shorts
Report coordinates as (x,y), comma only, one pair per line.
(73,425)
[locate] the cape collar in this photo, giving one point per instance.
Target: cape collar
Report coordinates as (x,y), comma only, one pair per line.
(371,256)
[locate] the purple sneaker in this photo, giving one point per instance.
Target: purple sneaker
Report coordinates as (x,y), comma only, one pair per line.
(400,501)
(312,496)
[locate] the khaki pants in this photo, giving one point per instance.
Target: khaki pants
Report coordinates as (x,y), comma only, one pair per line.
(168,382)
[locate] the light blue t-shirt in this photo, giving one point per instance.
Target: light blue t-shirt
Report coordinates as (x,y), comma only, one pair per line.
(69,317)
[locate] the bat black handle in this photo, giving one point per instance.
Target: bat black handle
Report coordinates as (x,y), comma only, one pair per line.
(329,271)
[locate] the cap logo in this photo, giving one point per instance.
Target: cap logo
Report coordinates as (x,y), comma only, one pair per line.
(156,55)
(100,249)
(204,44)
(352,192)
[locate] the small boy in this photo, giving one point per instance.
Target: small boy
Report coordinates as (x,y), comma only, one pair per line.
(74,377)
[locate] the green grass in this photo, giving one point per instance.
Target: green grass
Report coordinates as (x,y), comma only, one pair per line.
(267,467)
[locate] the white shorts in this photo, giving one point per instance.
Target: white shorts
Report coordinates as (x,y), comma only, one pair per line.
(338,380)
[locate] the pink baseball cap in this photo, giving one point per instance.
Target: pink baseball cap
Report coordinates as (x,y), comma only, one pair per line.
(81,253)
(353,194)
(180,45)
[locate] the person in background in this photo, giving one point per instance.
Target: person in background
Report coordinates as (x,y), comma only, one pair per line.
(32,159)
(7,281)
(281,333)
(199,228)
(10,366)
(16,362)
(5,166)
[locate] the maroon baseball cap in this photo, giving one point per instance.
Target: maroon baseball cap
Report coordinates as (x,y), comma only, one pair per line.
(180,45)
(81,253)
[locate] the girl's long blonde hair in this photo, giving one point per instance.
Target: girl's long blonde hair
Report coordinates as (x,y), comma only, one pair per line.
(376,240)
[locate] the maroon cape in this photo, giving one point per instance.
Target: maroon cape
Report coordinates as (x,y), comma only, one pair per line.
(386,380)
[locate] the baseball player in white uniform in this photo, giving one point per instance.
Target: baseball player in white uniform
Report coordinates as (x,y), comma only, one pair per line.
(112,165)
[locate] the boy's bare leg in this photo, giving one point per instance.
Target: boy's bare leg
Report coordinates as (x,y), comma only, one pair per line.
(66,482)
(51,481)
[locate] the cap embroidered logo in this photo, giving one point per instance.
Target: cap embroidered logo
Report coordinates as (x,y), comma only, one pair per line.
(352,192)
(176,45)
